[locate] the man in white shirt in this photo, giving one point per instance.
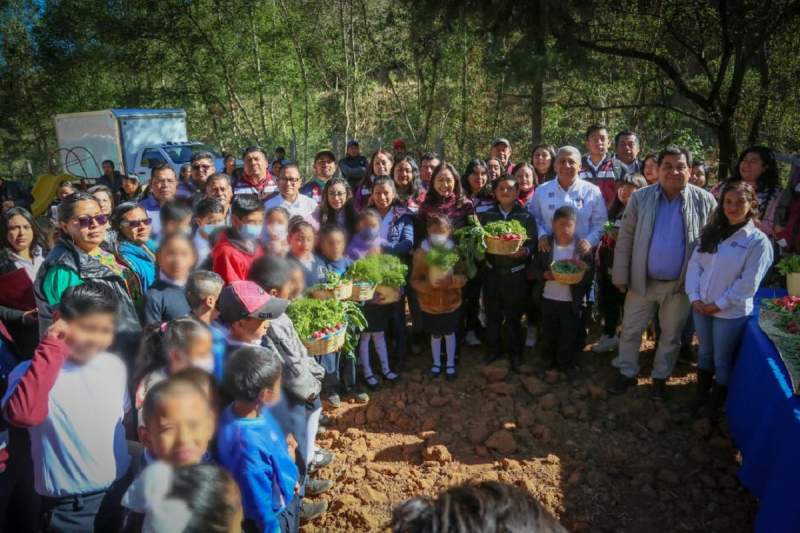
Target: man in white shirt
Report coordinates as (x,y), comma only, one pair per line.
(289,196)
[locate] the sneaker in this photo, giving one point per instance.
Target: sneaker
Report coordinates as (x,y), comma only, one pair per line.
(334,400)
(321,459)
(315,487)
(606,344)
(621,384)
(530,341)
(659,392)
(471,339)
(311,510)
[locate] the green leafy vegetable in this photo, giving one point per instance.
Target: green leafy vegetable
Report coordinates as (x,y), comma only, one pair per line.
(312,317)
(380,269)
(789,264)
(505,227)
(332,281)
(471,245)
(442,258)
(567,266)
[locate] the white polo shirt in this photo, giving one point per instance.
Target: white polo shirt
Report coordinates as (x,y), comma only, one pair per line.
(303,206)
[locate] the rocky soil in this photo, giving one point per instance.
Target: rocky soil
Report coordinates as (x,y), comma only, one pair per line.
(599,463)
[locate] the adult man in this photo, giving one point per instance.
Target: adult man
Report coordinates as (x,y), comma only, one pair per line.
(399,148)
(428,163)
(596,167)
(569,189)
(626,155)
(289,196)
(501,149)
(111,178)
(12,195)
(218,186)
(163,187)
(659,230)
(353,165)
(280,153)
(202,166)
(255,178)
(324,169)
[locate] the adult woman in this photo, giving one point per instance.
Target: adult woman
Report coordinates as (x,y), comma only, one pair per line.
(524,173)
(494,169)
(542,157)
(22,251)
(229,162)
(721,279)
(397,237)
(105,198)
(476,186)
(445,197)
(336,205)
(185,174)
(380,164)
(650,168)
(131,190)
(405,174)
(699,177)
(135,248)
(78,258)
(758,167)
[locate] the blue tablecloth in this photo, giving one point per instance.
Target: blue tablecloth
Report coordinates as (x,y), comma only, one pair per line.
(764,417)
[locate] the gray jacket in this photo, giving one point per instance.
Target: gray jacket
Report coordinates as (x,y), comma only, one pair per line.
(633,240)
(302,375)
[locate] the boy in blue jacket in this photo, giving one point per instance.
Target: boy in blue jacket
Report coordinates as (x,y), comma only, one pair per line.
(253,447)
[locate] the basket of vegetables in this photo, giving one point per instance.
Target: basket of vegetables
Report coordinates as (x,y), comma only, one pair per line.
(334,286)
(382,274)
(504,237)
(440,263)
(326,326)
(568,271)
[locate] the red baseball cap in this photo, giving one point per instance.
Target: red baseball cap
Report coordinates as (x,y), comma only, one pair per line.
(399,144)
(243,299)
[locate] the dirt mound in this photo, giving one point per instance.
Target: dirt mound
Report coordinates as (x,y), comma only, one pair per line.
(598,462)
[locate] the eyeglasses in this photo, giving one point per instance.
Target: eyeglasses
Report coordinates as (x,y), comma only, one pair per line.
(133,224)
(293,180)
(202,167)
(86,221)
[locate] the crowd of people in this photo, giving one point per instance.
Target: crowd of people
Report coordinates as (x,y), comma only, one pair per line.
(154,382)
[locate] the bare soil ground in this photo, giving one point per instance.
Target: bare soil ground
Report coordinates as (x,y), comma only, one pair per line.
(599,463)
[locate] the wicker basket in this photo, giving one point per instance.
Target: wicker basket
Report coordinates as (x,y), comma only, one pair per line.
(435,274)
(569,279)
(497,246)
(332,343)
(389,295)
(342,292)
(362,291)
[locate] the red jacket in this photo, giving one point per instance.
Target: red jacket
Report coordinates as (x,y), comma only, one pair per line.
(231,260)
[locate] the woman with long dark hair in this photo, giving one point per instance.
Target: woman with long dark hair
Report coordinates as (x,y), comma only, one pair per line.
(476,185)
(380,164)
(722,277)
(445,197)
(22,253)
(405,174)
(543,156)
(336,205)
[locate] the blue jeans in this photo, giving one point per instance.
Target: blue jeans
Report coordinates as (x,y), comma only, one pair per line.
(719,340)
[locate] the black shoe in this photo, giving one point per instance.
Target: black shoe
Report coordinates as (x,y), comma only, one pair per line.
(705,378)
(315,487)
(716,401)
(516,361)
(311,510)
(436,371)
(659,392)
(372,382)
(490,358)
(621,384)
(451,374)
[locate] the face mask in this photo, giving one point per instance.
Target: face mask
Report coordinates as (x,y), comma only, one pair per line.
(206,363)
(438,239)
(369,233)
(278,231)
(250,231)
(210,229)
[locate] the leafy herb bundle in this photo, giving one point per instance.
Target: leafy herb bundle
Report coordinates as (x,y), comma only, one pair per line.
(442,258)
(380,269)
(567,266)
(789,264)
(312,317)
(505,227)
(332,281)
(471,245)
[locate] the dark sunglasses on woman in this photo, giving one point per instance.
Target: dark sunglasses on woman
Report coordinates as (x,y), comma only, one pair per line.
(85,221)
(133,224)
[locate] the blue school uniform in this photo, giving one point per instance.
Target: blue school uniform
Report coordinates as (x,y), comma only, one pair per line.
(254,451)
(313,271)
(339,266)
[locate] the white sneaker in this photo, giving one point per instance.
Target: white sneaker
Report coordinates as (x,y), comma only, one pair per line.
(530,342)
(606,344)
(471,339)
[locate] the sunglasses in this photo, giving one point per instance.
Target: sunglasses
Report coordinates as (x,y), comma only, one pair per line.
(86,221)
(133,224)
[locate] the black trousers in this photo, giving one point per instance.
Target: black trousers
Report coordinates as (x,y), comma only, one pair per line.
(611,302)
(505,300)
(562,325)
(20,505)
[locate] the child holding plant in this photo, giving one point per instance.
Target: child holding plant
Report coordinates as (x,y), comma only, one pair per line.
(437,276)
(563,310)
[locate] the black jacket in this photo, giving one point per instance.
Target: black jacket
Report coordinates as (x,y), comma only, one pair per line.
(164,302)
(524,217)
(541,264)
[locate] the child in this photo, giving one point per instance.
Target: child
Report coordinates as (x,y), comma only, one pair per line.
(301,246)
(277,231)
(199,498)
(332,241)
(237,247)
(562,305)
(166,298)
(72,397)
(367,239)
(169,348)
(440,299)
(209,219)
(251,444)
(202,292)
(247,310)
(378,317)
(175,218)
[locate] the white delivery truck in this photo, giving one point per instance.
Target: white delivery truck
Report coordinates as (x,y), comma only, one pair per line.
(134,139)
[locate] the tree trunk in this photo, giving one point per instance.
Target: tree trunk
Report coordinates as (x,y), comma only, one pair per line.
(727,147)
